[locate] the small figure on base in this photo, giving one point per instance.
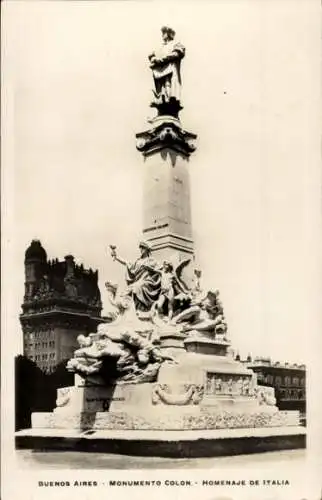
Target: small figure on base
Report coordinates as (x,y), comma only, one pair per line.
(172,287)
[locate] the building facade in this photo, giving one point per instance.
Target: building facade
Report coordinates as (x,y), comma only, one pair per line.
(288,380)
(61,301)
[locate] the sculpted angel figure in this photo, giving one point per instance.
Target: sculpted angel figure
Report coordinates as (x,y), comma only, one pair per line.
(172,286)
(165,64)
(142,277)
(197,292)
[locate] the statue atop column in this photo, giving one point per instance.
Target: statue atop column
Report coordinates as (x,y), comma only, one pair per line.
(165,64)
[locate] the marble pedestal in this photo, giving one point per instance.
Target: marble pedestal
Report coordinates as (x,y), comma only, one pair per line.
(202,405)
(200,392)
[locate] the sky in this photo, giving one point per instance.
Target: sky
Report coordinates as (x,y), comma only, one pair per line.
(77,88)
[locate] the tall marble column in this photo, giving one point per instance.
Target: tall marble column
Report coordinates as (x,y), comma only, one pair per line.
(166,195)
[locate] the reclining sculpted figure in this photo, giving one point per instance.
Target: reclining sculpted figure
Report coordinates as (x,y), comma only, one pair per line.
(206,315)
(137,359)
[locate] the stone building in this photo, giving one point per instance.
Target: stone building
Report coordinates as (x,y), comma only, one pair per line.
(61,301)
(288,380)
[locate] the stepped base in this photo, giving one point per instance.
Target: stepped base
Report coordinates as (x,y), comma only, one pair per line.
(173,444)
(203,405)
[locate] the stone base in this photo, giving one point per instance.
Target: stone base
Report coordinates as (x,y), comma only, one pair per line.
(215,397)
(203,345)
(189,412)
(178,444)
(165,420)
(203,405)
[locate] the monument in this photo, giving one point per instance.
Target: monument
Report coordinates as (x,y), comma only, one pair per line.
(164,361)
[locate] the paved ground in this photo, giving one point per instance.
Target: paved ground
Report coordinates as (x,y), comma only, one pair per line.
(33,460)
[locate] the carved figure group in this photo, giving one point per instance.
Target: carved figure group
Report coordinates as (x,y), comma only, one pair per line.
(228,385)
(153,287)
(130,342)
(155,294)
(136,359)
(205,314)
(154,291)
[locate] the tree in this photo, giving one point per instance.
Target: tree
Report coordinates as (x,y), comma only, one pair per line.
(36,391)
(30,390)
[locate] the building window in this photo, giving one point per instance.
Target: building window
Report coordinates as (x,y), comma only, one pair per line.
(278,380)
(295,381)
(287,380)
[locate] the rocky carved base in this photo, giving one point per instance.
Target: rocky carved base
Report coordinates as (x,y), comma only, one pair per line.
(165,421)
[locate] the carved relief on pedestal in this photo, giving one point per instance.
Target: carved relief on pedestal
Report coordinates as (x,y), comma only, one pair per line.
(63,396)
(192,395)
(220,384)
(265,395)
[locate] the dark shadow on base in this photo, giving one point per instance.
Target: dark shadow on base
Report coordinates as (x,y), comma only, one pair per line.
(165,449)
(109,376)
